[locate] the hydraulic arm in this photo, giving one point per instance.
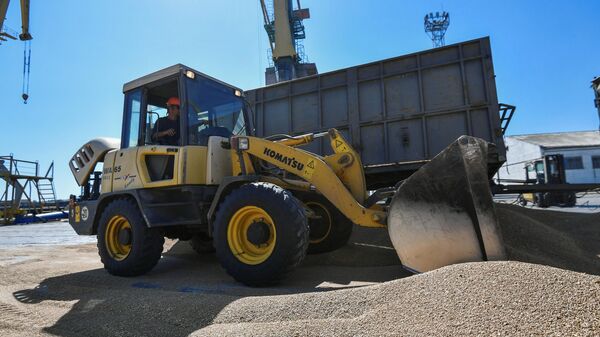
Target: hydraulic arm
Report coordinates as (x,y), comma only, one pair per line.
(339,177)
(442,214)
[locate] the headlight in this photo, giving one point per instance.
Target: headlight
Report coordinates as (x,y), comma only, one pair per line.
(243,143)
(190,74)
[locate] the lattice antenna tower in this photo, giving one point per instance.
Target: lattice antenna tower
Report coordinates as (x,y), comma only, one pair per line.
(436,25)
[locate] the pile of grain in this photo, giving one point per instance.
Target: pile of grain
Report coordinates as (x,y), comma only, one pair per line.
(506,298)
(64,291)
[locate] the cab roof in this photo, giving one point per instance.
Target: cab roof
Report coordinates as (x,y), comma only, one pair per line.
(167,72)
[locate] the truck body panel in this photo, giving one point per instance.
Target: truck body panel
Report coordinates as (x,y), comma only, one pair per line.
(398,113)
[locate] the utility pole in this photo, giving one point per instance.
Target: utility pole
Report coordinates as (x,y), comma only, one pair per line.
(596,88)
(436,25)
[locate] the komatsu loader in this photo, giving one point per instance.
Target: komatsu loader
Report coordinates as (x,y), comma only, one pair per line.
(262,203)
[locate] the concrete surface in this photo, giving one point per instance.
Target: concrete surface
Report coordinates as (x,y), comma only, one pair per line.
(62,290)
(586,203)
(50,233)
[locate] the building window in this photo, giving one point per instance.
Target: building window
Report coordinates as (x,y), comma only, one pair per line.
(596,162)
(573,163)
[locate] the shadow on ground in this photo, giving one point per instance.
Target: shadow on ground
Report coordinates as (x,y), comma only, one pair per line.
(186,291)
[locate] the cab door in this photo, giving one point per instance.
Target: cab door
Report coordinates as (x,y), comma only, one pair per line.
(125,175)
(125,170)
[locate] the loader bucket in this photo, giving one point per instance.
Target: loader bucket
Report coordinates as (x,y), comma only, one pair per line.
(444,213)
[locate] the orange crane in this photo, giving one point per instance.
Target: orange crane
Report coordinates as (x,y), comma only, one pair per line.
(285,30)
(25,35)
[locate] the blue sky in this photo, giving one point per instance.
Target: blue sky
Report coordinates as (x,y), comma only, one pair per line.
(545,55)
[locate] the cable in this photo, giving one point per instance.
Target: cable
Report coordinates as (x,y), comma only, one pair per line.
(26,70)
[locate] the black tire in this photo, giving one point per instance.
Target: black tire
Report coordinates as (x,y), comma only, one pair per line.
(571,199)
(545,200)
(202,244)
(145,244)
(283,227)
(332,231)
(539,200)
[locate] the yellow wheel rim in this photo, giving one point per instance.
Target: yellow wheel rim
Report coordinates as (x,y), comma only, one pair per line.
(242,248)
(327,220)
(117,250)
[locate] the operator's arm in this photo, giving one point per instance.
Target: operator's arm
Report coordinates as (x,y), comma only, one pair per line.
(161,134)
(156,133)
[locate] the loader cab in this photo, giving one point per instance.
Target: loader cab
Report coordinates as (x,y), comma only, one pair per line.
(548,170)
(208,108)
(210,112)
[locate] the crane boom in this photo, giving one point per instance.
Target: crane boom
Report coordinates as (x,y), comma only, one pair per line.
(25,35)
(284,41)
(284,28)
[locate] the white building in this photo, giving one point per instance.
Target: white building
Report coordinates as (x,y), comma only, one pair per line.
(581,151)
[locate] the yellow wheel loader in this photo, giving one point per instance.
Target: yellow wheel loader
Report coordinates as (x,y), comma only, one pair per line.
(262,203)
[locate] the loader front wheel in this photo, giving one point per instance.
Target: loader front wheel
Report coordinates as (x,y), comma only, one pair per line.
(329,228)
(127,247)
(260,233)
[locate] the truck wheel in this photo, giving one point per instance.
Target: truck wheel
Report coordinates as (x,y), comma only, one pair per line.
(540,200)
(521,200)
(331,230)
(545,200)
(202,244)
(260,233)
(127,247)
(571,199)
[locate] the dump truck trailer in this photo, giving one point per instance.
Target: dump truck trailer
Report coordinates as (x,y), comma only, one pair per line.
(398,113)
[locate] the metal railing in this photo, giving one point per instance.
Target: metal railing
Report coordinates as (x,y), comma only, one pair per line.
(22,181)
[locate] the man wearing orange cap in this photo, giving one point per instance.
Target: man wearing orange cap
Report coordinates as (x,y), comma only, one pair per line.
(166,130)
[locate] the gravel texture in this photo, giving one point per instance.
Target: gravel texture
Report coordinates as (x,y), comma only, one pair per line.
(359,290)
(505,298)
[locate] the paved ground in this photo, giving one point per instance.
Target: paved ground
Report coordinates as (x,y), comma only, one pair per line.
(586,203)
(369,248)
(42,234)
(62,290)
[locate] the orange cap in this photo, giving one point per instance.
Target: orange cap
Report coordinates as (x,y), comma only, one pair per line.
(173,101)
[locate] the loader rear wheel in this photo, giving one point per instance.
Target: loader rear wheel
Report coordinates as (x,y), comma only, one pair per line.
(331,230)
(127,247)
(260,234)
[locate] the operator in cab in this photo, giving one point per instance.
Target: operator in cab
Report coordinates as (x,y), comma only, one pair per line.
(166,130)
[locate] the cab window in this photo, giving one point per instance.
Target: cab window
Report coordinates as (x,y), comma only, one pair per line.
(157,114)
(213,109)
(131,120)
(152,115)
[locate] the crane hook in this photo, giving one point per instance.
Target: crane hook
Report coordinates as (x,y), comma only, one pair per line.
(26,63)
